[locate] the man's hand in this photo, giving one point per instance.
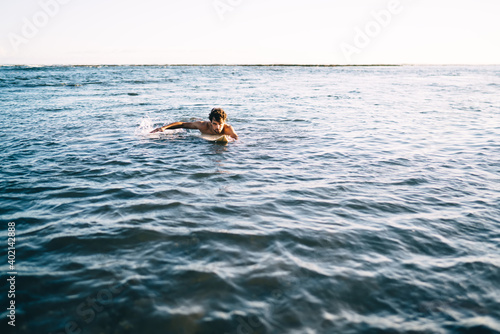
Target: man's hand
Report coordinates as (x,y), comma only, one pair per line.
(160,129)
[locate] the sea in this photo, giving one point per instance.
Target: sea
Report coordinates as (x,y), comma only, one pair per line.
(357,199)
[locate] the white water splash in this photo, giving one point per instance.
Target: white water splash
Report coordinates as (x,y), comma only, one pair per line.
(146,125)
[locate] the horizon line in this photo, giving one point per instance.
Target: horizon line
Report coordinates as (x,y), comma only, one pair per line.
(249,65)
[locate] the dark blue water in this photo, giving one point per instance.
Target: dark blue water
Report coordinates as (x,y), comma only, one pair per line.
(357,200)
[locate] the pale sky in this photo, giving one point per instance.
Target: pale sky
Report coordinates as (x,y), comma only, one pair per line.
(250,32)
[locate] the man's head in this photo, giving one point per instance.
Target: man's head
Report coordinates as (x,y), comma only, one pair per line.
(217,117)
(218,114)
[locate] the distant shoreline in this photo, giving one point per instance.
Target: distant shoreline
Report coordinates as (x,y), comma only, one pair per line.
(236,65)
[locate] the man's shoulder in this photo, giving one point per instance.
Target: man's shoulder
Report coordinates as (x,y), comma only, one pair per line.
(228,130)
(200,124)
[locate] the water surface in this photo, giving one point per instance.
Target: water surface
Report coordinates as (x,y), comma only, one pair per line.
(357,199)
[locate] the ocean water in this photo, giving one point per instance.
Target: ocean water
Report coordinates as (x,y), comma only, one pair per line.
(356,200)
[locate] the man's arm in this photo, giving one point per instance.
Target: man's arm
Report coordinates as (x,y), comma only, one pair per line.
(230,132)
(178,125)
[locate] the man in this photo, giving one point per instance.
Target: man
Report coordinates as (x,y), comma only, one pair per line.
(216,126)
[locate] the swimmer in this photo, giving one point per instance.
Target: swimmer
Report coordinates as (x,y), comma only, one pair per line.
(216,126)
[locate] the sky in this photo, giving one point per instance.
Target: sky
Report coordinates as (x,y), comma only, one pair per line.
(335,32)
